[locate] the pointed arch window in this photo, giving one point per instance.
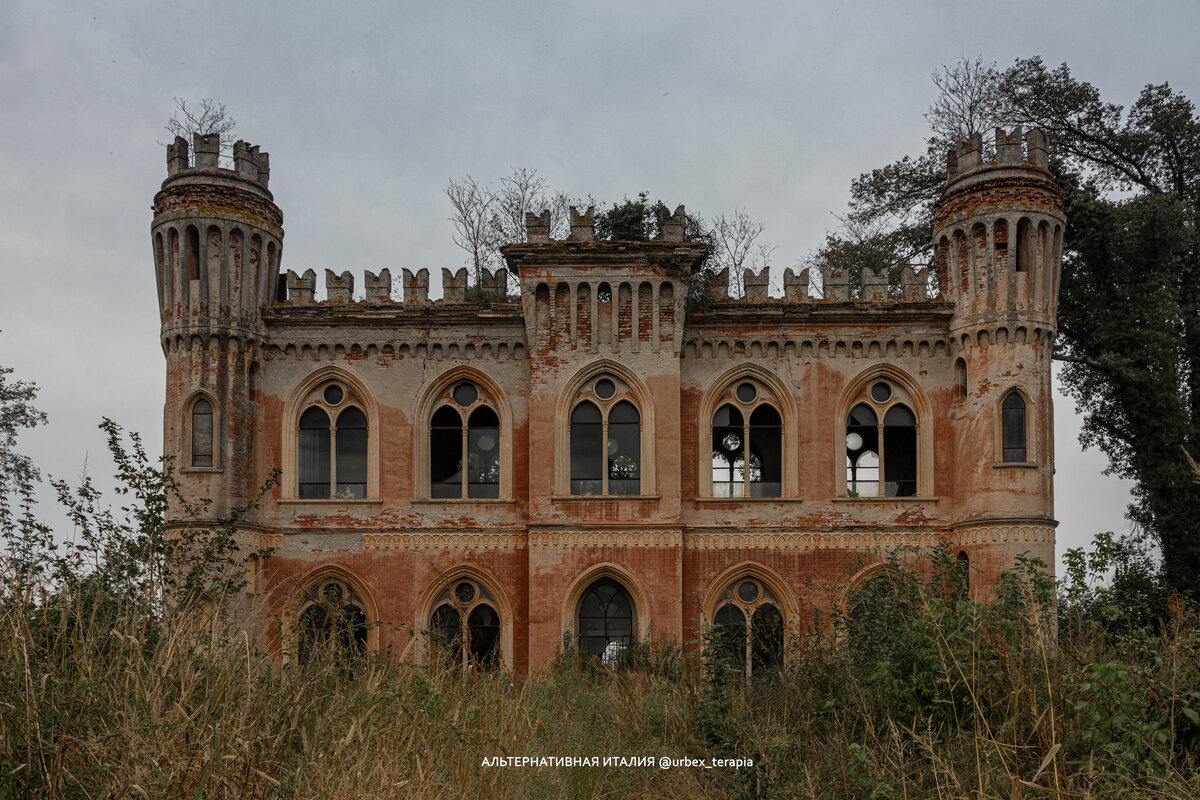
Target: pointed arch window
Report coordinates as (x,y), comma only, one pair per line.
(201,430)
(747,445)
(606,621)
(467,625)
(331,450)
(464,446)
(332,623)
(881,443)
(606,441)
(1012,428)
(749,627)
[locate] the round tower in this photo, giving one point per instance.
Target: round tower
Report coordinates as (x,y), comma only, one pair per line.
(998,245)
(217,238)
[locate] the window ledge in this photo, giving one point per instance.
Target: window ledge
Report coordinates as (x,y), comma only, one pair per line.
(296,501)
(577,498)
(443,501)
(748,499)
(1016,465)
(200,470)
(885,499)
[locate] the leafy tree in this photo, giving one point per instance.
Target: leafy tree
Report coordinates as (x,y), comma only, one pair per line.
(629,220)
(1129,311)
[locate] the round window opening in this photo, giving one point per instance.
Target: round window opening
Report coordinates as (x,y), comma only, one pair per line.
(605,389)
(333,394)
(747,592)
(465,593)
(853,441)
(331,593)
(881,392)
(746,393)
(465,394)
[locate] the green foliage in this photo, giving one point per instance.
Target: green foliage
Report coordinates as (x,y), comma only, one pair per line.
(1129,307)
(630,220)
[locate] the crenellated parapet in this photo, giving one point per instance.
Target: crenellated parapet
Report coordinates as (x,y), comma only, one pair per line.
(828,285)
(301,288)
(998,229)
(217,238)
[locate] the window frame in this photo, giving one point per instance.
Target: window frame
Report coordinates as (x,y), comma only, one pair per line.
(579,389)
(772,391)
(722,591)
(605,409)
(747,409)
(438,393)
(1030,442)
(482,401)
(858,391)
(300,401)
(445,580)
(482,597)
(188,410)
(300,599)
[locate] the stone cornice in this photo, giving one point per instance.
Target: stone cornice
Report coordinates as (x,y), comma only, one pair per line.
(606,538)
(426,540)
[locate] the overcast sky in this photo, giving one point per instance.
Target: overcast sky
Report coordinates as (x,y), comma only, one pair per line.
(368,109)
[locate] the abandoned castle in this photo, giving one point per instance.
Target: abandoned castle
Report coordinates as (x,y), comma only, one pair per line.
(592,462)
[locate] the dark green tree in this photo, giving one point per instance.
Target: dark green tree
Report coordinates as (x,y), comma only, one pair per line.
(1129,310)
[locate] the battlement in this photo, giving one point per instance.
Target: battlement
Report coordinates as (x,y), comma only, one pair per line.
(671,227)
(301,289)
(1012,150)
(249,163)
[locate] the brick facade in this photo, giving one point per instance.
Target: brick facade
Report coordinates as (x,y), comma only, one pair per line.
(262,351)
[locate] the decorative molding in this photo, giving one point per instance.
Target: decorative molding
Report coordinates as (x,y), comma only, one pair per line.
(849,540)
(606,538)
(443,541)
(719,345)
(1005,534)
(274,540)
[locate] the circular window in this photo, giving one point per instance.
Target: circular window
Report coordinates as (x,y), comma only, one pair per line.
(853,441)
(465,394)
(605,388)
(487,442)
(881,392)
(732,442)
(465,592)
(748,591)
(746,393)
(333,394)
(331,593)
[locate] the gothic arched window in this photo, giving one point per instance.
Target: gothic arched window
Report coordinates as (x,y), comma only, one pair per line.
(201,450)
(749,626)
(332,623)
(468,625)
(605,622)
(1012,428)
(332,458)
(747,445)
(606,441)
(465,430)
(881,443)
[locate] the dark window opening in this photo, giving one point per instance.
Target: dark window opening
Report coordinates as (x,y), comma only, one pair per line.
(605,623)
(333,627)
(202,433)
(313,455)
(1013,428)
(747,454)
(351,454)
(606,449)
